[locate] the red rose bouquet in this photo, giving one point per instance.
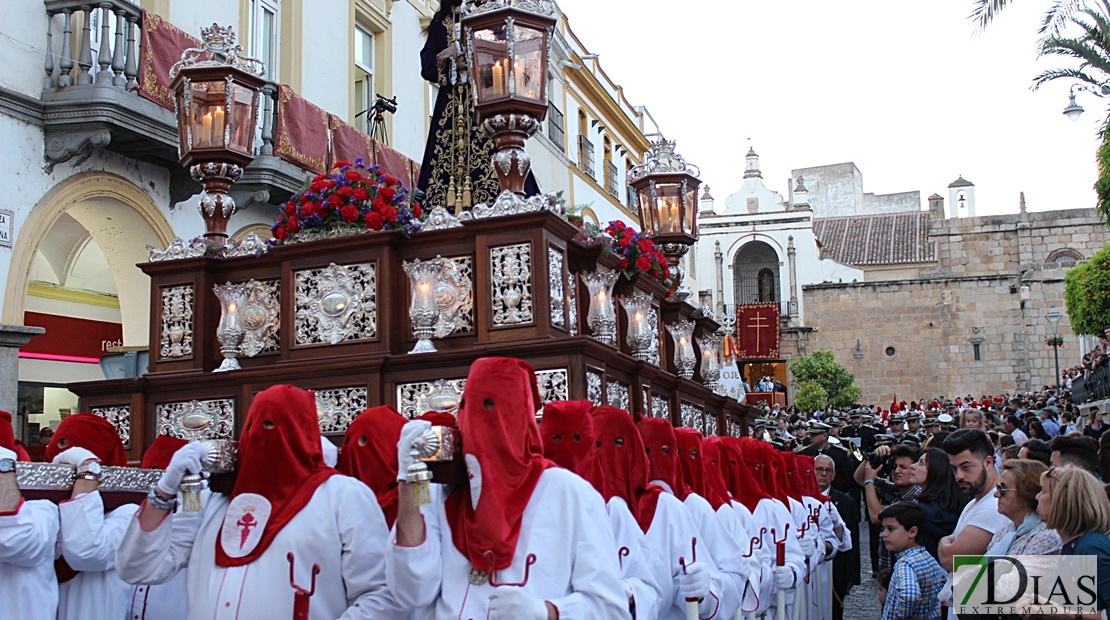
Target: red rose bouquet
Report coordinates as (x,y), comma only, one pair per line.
(638,253)
(353,197)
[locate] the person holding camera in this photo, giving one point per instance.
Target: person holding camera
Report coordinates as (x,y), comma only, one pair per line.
(885,478)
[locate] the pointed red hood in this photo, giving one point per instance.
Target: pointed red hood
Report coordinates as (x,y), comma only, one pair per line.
(789,476)
(158,455)
(714,465)
(625,464)
(809,478)
(569,440)
(91,432)
(661,448)
(691,469)
(370,454)
(746,472)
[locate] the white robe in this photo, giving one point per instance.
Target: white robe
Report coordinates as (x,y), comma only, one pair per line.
(641,569)
(28,537)
(168,600)
(88,542)
(768,514)
(341,528)
(576,565)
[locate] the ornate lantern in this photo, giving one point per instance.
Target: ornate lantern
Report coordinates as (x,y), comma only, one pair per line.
(230,332)
(216,93)
(666,190)
(506,49)
(682,333)
(710,347)
(601,318)
(639,337)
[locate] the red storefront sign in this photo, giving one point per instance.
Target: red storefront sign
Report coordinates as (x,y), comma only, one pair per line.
(70,340)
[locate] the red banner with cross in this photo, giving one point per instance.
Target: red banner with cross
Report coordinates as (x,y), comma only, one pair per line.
(757,331)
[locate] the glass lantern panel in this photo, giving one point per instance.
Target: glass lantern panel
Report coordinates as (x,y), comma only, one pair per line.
(491,57)
(242,119)
(184,117)
(647,210)
(668,204)
(691,203)
(208,115)
(528,70)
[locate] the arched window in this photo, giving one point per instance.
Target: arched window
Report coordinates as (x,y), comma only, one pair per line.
(1063,257)
(755,273)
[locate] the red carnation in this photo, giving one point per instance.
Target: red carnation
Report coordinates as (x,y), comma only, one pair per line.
(374,220)
(378,203)
(293,225)
(349,213)
(643,264)
(290,208)
(416,210)
(645,245)
(388,180)
(386,193)
(317,187)
(280,233)
(352,175)
(622,264)
(623,242)
(335,200)
(329,183)
(361,194)
(318,178)
(343,163)
(346,190)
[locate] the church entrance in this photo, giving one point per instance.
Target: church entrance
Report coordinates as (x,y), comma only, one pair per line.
(755,273)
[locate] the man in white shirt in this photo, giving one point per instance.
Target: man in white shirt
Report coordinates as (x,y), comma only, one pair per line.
(972,457)
(28,535)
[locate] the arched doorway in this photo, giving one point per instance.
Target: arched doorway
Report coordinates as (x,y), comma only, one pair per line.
(755,274)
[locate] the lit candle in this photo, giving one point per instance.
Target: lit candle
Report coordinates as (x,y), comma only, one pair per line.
(604,309)
(424,295)
(218,126)
(206,129)
(498,79)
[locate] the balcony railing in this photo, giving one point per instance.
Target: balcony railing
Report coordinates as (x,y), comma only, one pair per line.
(555,131)
(586,155)
(611,180)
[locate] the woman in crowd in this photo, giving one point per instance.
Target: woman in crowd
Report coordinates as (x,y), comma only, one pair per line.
(940,496)
(1035,430)
(1072,502)
(1026,534)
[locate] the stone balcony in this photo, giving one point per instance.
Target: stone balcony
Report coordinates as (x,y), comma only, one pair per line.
(90,100)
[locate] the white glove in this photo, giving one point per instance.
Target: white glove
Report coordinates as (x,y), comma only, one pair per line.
(513,603)
(809,546)
(187,459)
(8,454)
(694,584)
(784,578)
(410,432)
(74,456)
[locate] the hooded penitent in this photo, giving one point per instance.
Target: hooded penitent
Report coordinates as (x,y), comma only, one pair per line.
(690,466)
(744,480)
(787,477)
(661,448)
(715,466)
(504,460)
(158,455)
(7,438)
(625,464)
(809,478)
(569,441)
(757,457)
(370,454)
(281,465)
(91,432)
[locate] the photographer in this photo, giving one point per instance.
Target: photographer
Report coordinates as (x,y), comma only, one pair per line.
(885,477)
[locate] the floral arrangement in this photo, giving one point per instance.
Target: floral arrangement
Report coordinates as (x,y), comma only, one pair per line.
(638,252)
(1054,341)
(351,197)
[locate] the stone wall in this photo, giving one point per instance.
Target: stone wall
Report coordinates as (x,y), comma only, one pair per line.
(917,335)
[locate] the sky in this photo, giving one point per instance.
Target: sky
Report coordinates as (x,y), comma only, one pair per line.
(909,90)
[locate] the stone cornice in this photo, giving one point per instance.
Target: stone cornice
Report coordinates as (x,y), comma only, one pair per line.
(23,107)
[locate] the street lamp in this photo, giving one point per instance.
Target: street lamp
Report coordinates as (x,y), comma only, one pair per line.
(1053,317)
(1074,110)
(666,190)
(216,94)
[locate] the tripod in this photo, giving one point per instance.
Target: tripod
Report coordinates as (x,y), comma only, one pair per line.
(377,128)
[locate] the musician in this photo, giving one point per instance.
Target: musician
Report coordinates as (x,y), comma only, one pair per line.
(819,445)
(857,430)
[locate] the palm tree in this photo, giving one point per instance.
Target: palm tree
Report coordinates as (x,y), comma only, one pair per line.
(983,13)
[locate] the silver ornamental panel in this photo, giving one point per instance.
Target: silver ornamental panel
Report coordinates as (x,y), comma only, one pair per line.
(462,314)
(197,419)
(572,303)
(336,408)
(511,284)
(556,281)
(693,416)
(177,322)
(336,304)
(418,398)
(617,394)
(260,317)
(647,400)
(653,325)
(660,407)
(120,417)
(553,385)
(733,428)
(49,477)
(710,425)
(593,386)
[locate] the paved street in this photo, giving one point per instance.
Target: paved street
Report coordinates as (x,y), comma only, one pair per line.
(863,601)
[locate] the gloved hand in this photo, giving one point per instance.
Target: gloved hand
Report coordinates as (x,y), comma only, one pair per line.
(74,456)
(410,432)
(8,454)
(784,578)
(694,583)
(513,603)
(809,545)
(188,458)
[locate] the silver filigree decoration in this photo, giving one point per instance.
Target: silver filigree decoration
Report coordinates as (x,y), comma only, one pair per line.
(539,7)
(661,158)
(177,322)
(440,218)
(179,249)
(414,399)
(508,203)
(660,407)
(328,233)
(197,419)
(572,303)
(692,416)
(260,317)
(556,281)
(50,477)
(710,425)
(336,408)
(250,245)
(553,385)
(593,386)
(733,428)
(120,417)
(336,303)
(646,393)
(464,318)
(617,394)
(511,284)
(653,325)
(454,299)
(218,49)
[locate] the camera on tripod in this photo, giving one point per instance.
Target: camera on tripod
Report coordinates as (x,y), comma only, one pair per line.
(382,105)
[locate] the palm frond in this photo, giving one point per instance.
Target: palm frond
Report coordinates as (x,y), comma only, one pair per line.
(1055,74)
(1059,14)
(984,11)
